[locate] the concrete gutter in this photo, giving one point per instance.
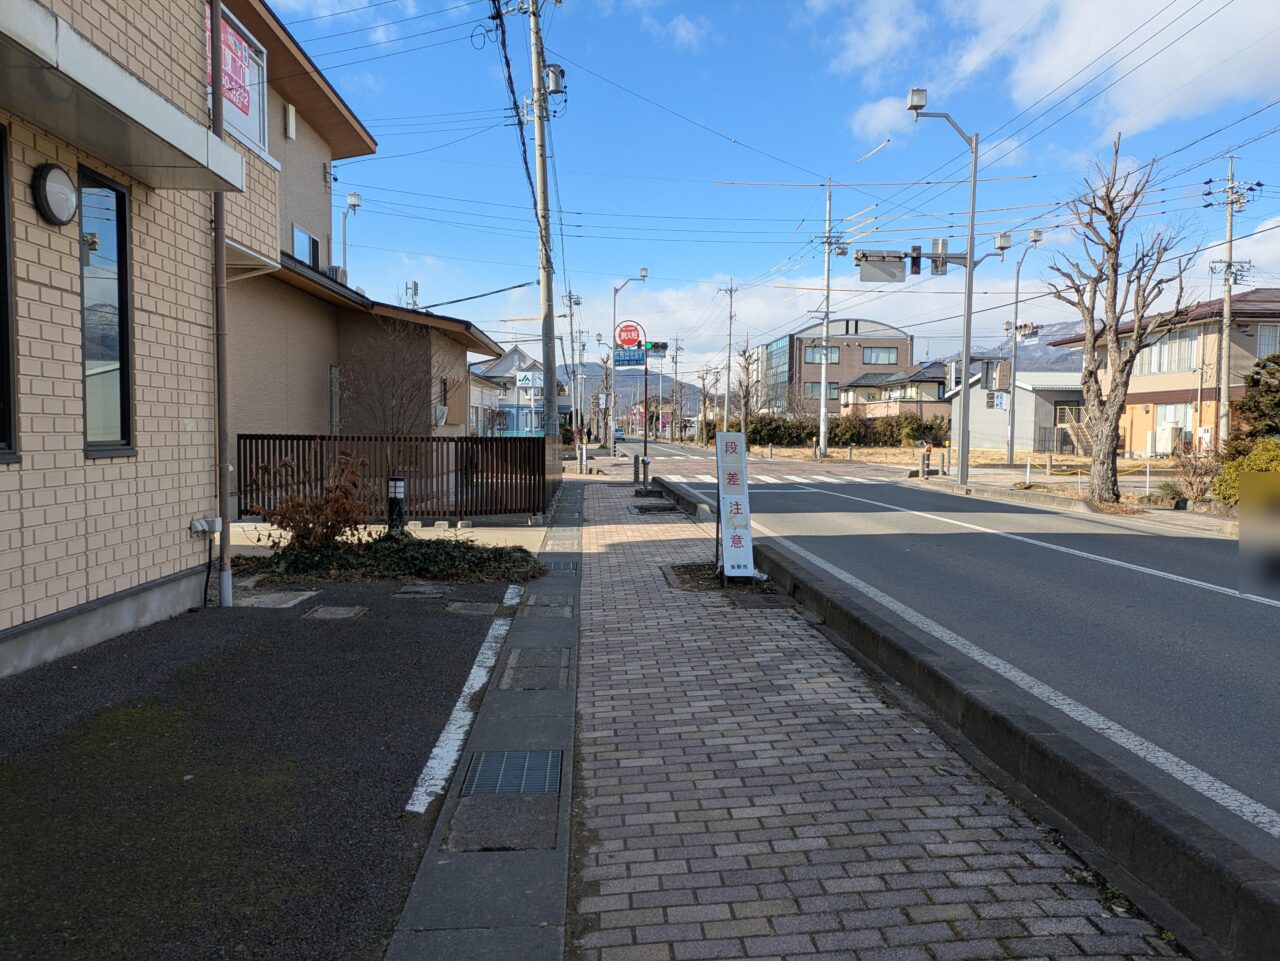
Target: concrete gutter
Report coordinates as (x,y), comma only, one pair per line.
(1223,901)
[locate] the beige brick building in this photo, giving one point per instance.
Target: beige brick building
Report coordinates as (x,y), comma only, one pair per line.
(107,393)
(107,349)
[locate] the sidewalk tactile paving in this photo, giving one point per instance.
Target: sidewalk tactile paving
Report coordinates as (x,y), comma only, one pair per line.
(748,794)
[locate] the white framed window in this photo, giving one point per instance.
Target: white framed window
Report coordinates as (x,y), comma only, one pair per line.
(1176,352)
(1268,340)
(244,81)
(1181,414)
(305,247)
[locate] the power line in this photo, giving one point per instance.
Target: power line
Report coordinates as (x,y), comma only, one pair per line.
(340,13)
(389,23)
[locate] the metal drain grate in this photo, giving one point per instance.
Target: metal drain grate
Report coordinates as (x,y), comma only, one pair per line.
(513,772)
(561,565)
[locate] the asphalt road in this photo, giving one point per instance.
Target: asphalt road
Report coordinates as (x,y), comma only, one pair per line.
(229,783)
(1192,670)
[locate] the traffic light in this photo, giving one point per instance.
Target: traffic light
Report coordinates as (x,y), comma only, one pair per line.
(915,259)
(657,348)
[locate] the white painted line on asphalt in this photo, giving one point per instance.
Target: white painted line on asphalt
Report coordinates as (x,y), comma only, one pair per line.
(1189,581)
(823,480)
(706,478)
(434,778)
(1238,803)
(762,479)
(513,595)
(798,480)
(677,478)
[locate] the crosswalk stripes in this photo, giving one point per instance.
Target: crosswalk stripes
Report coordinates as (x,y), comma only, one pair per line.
(762,479)
(768,479)
(706,478)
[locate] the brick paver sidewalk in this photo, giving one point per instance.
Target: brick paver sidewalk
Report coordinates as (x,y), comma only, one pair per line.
(747,793)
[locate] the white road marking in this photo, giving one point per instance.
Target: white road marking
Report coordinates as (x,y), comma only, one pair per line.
(677,478)
(1189,581)
(434,778)
(798,480)
(513,595)
(762,479)
(1200,781)
(706,478)
(823,480)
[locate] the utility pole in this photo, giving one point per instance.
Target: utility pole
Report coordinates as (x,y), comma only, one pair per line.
(1035,237)
(826,330)
(546,270)
(677,389)
(728,367)
(1224,348)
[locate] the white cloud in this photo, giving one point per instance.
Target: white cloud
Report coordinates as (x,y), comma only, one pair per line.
(879,119)
(873,35)
(680,31)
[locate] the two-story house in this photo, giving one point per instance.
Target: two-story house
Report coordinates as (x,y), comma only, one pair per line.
(916,390)
(1173,392)
(107,375)
(308,352)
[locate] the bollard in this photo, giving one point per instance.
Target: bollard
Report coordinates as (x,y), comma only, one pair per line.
(635,468)
(924,466)
(645,462)
(1048,464)
(1148,478)
(395,503)
(1028,470)
(850,452)
(770,452)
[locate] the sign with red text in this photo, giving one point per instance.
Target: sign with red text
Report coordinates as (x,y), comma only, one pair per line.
(735,505)
(628,334)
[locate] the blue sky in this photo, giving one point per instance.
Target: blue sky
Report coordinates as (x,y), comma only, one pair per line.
(665,99)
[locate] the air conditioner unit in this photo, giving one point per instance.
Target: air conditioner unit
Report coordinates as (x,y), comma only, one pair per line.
(336,273)
(1168,437)
(441,413)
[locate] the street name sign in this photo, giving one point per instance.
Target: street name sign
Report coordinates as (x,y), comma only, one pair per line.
(735,505)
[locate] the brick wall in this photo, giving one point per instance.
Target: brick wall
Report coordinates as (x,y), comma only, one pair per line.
(162,41)
(253,217)
(72,529)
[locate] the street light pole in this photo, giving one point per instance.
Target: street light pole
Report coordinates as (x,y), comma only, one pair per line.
(916,101)
(353,204)
(1013,353)
(644,276)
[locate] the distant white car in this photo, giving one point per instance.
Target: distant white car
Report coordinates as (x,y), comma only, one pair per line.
(619,434)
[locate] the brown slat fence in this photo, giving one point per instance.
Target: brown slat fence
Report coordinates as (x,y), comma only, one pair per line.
(444,476)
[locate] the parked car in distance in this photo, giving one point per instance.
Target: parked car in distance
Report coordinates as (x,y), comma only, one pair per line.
(619,434)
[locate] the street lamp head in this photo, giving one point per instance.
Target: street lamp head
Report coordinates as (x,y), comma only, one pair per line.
(353,200)
(917,100)
(1036,236)
(644,273)
(599,338)
(1004,240)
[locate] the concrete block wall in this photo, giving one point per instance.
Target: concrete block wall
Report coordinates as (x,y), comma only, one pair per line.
(74,529)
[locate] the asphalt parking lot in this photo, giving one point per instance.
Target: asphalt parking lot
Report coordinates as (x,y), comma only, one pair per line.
(229,783)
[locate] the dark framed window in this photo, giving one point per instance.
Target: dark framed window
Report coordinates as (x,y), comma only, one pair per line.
(106,307)
(305,247)
(879,355)
(8,348)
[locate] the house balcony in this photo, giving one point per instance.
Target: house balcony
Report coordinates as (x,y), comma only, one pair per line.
(874,409)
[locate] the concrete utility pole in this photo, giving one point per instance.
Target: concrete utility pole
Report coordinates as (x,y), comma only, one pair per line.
(728,367)
(676,389)
(220,321)
(1013,351)
(546,270)
(826,330)
(1224,348)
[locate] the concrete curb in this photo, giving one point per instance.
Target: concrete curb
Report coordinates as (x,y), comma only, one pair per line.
(1224,901)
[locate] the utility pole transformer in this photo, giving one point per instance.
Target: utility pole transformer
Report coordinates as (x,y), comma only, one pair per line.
(546,270)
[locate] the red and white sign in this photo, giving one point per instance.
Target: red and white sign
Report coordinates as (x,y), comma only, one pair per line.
(628,334)
(235,65)
(735,505)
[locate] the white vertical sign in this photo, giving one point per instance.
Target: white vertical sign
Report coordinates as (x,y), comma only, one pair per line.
(735,505)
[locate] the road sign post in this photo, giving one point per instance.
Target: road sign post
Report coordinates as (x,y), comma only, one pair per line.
(734,517)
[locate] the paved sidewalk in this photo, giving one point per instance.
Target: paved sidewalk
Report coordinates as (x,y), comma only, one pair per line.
(744,792)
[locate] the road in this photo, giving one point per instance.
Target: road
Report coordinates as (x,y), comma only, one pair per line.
(1141,627)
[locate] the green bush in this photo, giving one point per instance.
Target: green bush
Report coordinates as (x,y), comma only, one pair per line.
(782,431)
(1264,456)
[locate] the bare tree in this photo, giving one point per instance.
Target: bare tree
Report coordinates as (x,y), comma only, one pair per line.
(746,385)
(799,405)
(1110,286)
(706,379)
(395,380)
